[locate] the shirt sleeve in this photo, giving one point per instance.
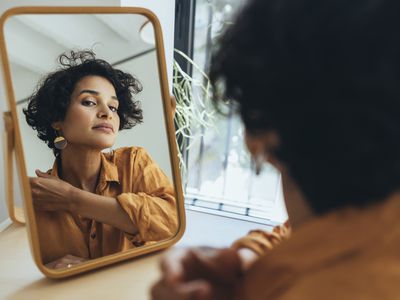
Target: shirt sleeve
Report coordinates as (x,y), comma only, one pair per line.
(152,207)
(261,241)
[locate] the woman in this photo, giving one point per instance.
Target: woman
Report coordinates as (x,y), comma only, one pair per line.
(92,203)
(316,84)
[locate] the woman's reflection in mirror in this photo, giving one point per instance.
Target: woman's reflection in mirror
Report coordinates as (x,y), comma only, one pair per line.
(92,203)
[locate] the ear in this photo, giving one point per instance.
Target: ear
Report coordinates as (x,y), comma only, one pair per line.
(56,126)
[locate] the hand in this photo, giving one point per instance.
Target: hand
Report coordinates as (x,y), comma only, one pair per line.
(66,262)
(50,193)
(198,273)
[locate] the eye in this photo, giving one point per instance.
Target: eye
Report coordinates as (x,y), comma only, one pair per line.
(88,102)
(113,108)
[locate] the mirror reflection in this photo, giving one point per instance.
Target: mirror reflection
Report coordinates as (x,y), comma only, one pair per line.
(94,135)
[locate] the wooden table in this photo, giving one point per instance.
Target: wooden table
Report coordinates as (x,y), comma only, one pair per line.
(21,279)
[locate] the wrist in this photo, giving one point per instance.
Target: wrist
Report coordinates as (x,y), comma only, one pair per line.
(73,202)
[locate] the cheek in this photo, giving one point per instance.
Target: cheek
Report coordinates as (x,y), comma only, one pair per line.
(76,120)
(251,145)
(117,121)
(276,163)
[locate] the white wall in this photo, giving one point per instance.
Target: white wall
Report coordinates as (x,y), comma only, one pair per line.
(151,134)
(164,9)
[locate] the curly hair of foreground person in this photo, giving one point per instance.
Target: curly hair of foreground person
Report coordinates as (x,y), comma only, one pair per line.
(325,77)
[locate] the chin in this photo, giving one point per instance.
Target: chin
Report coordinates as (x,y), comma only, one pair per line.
(103,144)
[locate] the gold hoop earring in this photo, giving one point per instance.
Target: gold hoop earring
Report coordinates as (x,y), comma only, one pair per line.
(60,142)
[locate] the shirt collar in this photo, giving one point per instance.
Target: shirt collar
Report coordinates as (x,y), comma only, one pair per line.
(108,170)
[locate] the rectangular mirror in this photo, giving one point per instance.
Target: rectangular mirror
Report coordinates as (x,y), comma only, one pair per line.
(94,135)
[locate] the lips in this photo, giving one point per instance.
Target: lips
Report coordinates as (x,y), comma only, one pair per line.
(104,126)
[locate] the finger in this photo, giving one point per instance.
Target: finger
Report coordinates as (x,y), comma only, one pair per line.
(51,265)
(33,181)
(59,265)
(197,290)
(193,290)
(42,174)
(70,260)
(63,266)
(223,265)
(162,291)
(76,260)
(172,265)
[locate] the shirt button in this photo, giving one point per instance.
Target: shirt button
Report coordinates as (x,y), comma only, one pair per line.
(93,235)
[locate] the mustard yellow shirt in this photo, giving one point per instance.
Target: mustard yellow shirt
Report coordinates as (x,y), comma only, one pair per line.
(348,254)
(143,191)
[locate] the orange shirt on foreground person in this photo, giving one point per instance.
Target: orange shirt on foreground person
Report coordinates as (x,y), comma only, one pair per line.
(347,254)
(143,191)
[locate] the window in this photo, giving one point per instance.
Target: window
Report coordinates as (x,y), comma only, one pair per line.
(220,176)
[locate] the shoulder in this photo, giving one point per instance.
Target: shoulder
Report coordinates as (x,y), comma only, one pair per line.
(130,152)
(324,251)
(134,155)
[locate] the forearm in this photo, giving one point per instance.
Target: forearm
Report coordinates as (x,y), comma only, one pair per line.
(102,209)
(155,214)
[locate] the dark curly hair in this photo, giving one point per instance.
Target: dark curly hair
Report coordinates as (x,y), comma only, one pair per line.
(325,75)
(50,101)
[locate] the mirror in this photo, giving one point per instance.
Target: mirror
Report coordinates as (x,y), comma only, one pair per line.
(103,193)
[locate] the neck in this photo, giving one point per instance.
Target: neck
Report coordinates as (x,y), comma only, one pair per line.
(81,167)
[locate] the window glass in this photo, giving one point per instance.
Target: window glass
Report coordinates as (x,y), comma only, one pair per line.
(220,177)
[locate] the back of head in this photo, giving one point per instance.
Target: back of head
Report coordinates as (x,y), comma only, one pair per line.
(325,75)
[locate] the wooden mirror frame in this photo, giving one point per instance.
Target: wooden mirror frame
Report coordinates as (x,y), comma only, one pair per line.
(13,143)
(15,212)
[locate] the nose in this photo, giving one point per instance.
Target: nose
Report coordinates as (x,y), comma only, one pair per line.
(104,112)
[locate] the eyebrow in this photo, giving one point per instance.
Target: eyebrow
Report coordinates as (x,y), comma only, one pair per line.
(95,93)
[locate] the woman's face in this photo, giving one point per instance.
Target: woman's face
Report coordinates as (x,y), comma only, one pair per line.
(91,120)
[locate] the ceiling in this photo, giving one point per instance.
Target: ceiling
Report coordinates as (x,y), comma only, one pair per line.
(35,41)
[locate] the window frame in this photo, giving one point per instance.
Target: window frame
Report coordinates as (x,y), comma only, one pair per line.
(185,16)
